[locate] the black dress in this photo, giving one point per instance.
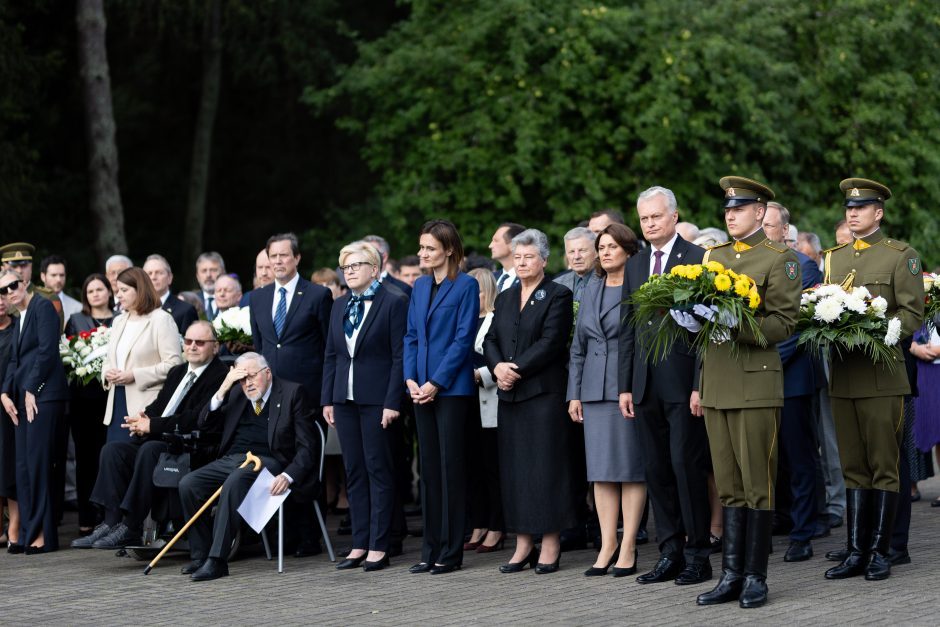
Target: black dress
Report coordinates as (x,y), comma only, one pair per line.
(534,452)
(7,434)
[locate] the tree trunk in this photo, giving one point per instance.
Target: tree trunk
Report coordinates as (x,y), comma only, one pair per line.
(194,224)
(104,194)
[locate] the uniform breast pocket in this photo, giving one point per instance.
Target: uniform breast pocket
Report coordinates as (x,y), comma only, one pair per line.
(877,284)
(763,376)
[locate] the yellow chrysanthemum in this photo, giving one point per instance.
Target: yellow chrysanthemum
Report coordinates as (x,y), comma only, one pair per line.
(693,272)
(678,271)
(753,300)
(722,283)
(734,275)
(742,288)
(714,266)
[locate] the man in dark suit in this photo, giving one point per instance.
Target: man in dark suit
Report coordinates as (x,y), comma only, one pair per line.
(385,278)
(289,323)
(209,267)
(501,252)
(270,418)
(264,275)
(799,452)
(665,401)
(158,269)
(124,487)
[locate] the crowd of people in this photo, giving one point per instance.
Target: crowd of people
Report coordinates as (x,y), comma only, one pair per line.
(533,401)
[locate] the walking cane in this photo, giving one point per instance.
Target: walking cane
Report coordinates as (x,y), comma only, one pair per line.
(249,459)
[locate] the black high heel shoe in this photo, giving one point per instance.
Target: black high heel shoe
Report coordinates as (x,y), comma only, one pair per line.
(595,571)
(629,570)
(368,567)
(351,562)
(516,567)
(546,569)
(15,549)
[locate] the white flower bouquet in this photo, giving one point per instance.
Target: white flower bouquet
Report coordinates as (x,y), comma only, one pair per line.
(233,326)
(83,354)
(835,319)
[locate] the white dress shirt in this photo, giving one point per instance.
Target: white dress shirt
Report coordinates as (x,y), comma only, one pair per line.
(173,404)
(666,250)
(351,347)
(510,279)
(291,287)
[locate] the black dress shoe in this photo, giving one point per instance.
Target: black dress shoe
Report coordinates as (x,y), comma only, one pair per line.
(935,502)
(214,568)
(351,562)
(307,548)
(16,549)
(192,567)
(898,558)
(821,530)
(369,567)
(666,569)
(421,567)
(547,569)
(642,536)
(86,542)
(694,573)
(837,555)
(119,537)
(834,521)
(36,550)
(443,569)
(517,567)
(798,551)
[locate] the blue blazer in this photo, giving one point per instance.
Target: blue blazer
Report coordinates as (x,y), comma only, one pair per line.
(298,354)
(440,336)
(35,365)
(377,377)
(801,372)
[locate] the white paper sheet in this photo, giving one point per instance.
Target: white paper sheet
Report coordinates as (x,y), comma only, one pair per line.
(259,506)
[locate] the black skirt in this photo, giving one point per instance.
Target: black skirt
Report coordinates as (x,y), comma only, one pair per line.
(535,465)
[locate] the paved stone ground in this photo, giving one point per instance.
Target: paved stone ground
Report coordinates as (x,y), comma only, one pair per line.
(93,587)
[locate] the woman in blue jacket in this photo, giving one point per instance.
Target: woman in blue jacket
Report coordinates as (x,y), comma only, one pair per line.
(442,325)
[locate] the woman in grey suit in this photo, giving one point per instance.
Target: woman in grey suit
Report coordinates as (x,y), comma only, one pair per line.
(614,455)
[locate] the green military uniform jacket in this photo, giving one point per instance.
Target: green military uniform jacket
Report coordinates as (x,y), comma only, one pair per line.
(753,376)
(891,269)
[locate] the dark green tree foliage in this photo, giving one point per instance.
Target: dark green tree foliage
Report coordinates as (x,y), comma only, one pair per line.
(543,111)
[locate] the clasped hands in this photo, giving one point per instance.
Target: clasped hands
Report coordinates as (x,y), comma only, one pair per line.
(421,394)
(506,375)
(116,376)
(137,425)
(689,321)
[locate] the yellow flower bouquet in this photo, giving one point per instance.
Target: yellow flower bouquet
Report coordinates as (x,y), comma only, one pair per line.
(713,298)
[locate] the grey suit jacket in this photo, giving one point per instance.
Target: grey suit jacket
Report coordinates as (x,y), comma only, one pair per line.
(592,369)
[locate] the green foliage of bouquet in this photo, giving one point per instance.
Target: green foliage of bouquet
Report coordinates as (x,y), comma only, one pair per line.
(931,300)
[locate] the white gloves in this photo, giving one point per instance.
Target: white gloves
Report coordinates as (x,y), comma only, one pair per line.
(686,320)
(725,318)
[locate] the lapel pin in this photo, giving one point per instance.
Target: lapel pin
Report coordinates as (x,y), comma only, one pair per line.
(540,295)
(278,405)
(679,256)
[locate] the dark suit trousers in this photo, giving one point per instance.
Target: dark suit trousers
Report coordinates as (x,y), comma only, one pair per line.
(441,425)
(370,473)
(676,447)
(209,538)
(798,455)
(35,473)
(125,481)
(84,422)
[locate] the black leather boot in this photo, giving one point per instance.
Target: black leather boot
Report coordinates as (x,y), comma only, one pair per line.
(757,552)
(857,535)
(734,521)
(884,507)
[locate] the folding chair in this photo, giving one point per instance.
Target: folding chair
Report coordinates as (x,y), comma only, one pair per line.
(316,507)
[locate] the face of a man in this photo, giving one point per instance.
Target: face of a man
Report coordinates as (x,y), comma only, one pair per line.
(196,355)
(207,271)
(599,223)
(806,248)
(863,220)
(409,274)
(499,247)
(264,273)
(283,261)
(112,271)
(580,254)
(159,276)
(743,220)
(774,229)
(844,235)
(54,277)
(257,382)
(23,269)
(656,221)
(227,292)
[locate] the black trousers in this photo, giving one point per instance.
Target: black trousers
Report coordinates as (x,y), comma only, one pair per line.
(798,456)
(35,472)
(485,498)
(676,446)
(370,473)
(213,538)
(125,480)
(441,425)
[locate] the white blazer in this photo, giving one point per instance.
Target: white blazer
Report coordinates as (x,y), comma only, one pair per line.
(488,400)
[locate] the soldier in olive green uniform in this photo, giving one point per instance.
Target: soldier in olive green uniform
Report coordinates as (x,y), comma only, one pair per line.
(742,393)
(868,398)
(18,257)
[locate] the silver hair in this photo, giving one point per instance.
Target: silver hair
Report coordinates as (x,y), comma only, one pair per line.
(118,259)
(693,231)
(211,256)
(380,244)
(812,239)
(578,232)
(252,356)
(784,212)
(532,237)
(710,236)
(161,259)
(671,203)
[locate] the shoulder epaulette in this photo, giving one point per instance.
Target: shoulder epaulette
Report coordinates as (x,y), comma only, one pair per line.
(776,246)
(836,247)
(896,244)
(718,246)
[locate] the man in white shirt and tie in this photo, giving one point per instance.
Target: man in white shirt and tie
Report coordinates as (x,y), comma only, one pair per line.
(501,251)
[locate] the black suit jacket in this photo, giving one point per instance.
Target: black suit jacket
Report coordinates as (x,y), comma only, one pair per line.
(679,369)
(401,285)
(187,412)
(291,434)
(35,365)
(183,313)
(535,339)
(298,354)
(378,375)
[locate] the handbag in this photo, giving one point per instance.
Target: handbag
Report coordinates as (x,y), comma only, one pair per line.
(170,469)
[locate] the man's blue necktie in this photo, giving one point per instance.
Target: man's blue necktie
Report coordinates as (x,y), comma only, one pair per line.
(280,315)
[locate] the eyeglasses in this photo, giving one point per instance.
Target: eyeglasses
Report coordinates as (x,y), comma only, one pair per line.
(355,266)
(188,341)
(252,375)
(12,286)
